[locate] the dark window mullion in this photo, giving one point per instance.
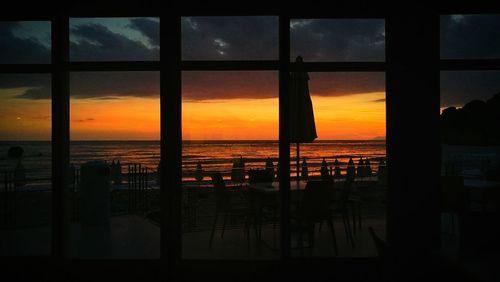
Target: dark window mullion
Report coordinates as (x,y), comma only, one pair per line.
(25,68)
(115,66)
(60,136)
(284,134)
(339,66)
(255,65)
(171,142)
(477,64)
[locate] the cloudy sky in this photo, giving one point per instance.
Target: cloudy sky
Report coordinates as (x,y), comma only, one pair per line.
(124,97)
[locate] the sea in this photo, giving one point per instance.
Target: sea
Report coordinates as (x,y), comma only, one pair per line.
(212,155)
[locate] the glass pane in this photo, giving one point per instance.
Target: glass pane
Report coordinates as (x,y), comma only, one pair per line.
(114,39)
(470,36)
(25,164)
(339,185)
(230,138)
(229,38)
(470,161)
(25,42)
(115,124)
(337,39)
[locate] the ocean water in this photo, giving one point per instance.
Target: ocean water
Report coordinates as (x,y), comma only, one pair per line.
(214,155)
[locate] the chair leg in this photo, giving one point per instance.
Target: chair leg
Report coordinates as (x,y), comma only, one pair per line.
(349,230)
(213,230)
(353,208)
(301,242)
(344,220)
(246,230)
(223,225)
(334,238)
(359,217)
(310,237)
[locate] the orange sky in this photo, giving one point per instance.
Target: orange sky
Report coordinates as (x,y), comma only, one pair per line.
(343,117)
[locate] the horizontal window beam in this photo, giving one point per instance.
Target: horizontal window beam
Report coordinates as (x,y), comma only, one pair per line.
(479,64)
(25,68)
(115,66)
(338,66)
(229,65)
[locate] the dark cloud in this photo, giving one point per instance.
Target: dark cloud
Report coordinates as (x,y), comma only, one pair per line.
(38,85)
(149,28)
(198,86)
(85,120)
(88,85)
(230,38)
(379,100)
(97,43)
(346,83)
(106,85)
(15,50)
(338,40)
(37,93)
(461,87)
(470,36)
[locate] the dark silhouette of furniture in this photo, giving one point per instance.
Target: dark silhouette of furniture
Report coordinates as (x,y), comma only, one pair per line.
(341,202)
(225,207)
(453,198)
(314,208)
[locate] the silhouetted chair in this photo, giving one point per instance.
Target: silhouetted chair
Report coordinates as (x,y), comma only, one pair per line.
(314,208)
(224,206)
(452,198)
(355,203)
(261,206)
(340,205)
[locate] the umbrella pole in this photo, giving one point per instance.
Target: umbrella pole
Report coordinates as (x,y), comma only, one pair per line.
(298,160)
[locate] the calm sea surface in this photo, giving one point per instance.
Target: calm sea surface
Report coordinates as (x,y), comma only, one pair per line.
(214,155)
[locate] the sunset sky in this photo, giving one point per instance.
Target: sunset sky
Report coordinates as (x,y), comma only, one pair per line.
(219,105)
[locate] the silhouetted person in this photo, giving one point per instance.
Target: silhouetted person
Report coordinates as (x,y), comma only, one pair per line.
(361,168)
(324,170)
(336,170)
(270,167)
(199,172)
(15,152)
(305,171)
(368,168)
(351,170)
(19,175)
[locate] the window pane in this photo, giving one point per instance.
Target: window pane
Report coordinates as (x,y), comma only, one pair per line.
(470,36)
(348,110)
(115,123)
(470,161)
(230,128)
(25,164)
(337,40)
(229,38)
(114,39)
(25,42)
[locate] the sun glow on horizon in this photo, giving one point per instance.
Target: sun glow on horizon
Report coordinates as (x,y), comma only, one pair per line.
(349,117)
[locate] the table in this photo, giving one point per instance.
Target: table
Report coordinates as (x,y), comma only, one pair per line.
(273,187)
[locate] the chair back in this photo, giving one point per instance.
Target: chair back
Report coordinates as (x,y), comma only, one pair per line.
(315,203)
(452,193)
(342,192)
(260,176)
(220,191)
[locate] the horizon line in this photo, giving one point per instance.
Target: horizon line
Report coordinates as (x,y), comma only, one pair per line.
(195,140)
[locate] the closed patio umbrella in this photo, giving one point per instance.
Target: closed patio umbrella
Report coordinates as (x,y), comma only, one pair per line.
(302,126)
